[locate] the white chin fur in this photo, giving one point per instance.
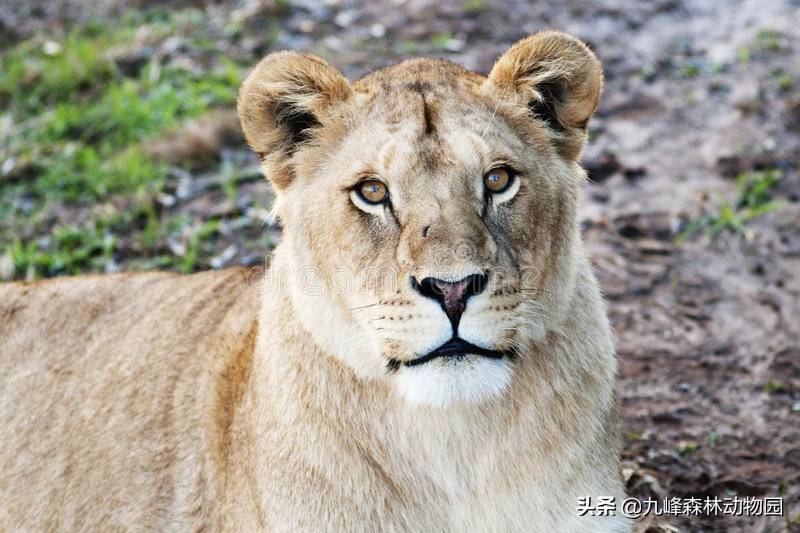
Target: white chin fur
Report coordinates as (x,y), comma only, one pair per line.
(444,382)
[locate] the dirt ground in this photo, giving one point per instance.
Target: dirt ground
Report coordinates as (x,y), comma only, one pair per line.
(697,93)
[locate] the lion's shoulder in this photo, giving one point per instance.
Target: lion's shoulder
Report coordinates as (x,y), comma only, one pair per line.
(72,311)
(101,373)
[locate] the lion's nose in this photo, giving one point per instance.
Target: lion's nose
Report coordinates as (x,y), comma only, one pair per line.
(451,295)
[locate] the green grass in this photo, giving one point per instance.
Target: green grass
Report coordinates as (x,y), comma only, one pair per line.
(75,113)
(784,80)
(85,146)
(92,246)
(444,42)
(33,77)
(231,177)
(687,447)
(473,6)
(766,40)
(691,70)
(753,199)
(208,230)
(774,387)
(70,250)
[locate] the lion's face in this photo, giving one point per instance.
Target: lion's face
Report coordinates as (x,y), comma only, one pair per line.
(429,211)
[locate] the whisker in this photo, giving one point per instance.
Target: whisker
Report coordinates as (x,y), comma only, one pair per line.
(494,113)
(533,313)
(364,306)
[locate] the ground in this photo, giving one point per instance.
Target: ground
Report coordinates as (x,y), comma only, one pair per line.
(119,150)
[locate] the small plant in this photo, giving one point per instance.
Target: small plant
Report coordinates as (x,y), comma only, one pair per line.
(774,387)
(205,233)
(446,42)
(753,199)
(767,39)
(231,178)
(686,447)
(785,81)
(634,436)
(691,70)
(473,6)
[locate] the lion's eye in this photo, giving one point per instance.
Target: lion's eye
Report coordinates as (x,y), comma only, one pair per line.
(498,179)
(373,191)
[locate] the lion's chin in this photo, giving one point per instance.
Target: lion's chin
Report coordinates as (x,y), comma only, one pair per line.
(449,381)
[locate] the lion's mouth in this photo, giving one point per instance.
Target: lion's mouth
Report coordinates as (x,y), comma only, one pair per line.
(456,348)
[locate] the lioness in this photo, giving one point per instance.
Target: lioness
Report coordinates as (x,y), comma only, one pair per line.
(429,350)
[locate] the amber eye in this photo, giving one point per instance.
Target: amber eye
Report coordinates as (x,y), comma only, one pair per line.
(497,179)
(373,191)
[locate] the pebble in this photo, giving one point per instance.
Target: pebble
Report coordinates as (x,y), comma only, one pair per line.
(377,30)
(222,259)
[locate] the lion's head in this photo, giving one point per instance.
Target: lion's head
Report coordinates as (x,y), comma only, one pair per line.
(429,212)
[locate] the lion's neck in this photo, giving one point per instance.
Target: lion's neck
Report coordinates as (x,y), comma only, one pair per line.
(541,429)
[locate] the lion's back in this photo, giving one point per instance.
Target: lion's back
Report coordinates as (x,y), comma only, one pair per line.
(106,385)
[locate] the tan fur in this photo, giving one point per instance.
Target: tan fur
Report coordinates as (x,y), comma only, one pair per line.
(224,402)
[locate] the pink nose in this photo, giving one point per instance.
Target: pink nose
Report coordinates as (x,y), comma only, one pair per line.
(452,295)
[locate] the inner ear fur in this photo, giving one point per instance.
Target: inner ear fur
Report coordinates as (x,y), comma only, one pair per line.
(281,101)
(559,79)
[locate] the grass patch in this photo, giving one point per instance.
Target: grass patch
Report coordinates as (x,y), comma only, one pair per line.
(446,42)
(687,447)
(208,230)
(691,70)
(774,387)
(753,199)
(138,231)
(34,75)
(86,145)
(766,40)
(70,250)
(473,6)
(76,111)
(784,80)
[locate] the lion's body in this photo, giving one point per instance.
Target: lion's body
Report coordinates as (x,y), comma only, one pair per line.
(113,390)
(317,399)
(134,402)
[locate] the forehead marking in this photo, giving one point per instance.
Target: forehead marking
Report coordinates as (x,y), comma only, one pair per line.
(427,117)
(428,112)
(419,87)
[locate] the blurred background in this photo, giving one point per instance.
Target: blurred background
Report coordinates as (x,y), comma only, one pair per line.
(120,151)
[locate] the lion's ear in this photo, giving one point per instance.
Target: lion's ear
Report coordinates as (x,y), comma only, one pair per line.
(559,79)
(285,96)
